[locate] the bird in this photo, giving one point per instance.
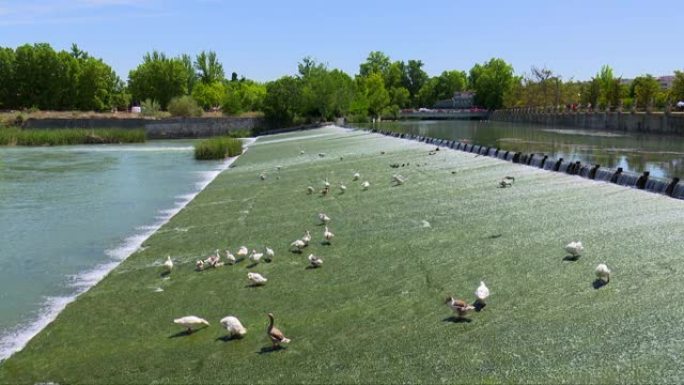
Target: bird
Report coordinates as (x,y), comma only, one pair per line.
(574,248)
(214,260)
(325,191)
(301,152)
(256,279)
(306,238)
(482,292)
(357,176)
(230,258)
(234,326)
(199,265)
(315,261)
(328,235)
(343,188)
(365,185)
(242,251)
(459,306)
(321,154)
(326,183)
(168,265)
(310,190)
(190,321)
(269,254)
(603,272)
(277,337)
(278,167)
(298,245)
(507,181)
(255,257)
(262,176)
(324,218)
(398,179)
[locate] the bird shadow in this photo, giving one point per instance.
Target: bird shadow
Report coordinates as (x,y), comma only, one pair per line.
(571,258)
(598,283)
(311,267)
(457,320)
(185,333)
(252,265)
(227,338)
(271,349)
(238,260)
(296,251)
(479,305)
(252,285)
(325,243)
(494,236)
(165,274)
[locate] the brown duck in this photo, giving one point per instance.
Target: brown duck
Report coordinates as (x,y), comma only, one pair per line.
(277,337)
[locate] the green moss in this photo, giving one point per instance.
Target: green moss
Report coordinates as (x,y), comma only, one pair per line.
(374,312)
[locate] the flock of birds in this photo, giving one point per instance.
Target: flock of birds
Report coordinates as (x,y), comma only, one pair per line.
(235,328)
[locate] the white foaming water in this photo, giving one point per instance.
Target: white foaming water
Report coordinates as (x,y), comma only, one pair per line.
(16,339)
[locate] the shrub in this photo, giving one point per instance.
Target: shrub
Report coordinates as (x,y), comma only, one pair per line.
(232,104)
(218,148)
(150,108)
(184,106)
(61,137)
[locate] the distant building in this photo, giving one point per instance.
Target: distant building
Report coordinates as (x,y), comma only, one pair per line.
(666,81)
(460,100)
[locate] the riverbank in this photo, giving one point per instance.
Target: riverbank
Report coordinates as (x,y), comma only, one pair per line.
(17,137)
(374,312)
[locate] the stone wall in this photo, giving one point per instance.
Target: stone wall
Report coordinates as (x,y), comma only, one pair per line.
(661,123)
(170,128)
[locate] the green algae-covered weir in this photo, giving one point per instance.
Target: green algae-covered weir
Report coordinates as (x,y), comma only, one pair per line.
(374,312)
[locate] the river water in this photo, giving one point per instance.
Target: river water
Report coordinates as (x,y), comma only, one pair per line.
(69,214)
(662,155)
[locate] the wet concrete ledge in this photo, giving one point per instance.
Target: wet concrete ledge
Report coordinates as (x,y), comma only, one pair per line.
(669,187)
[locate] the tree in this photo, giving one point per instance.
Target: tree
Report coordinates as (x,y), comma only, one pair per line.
(190,72)
(158,78)
(377,62)
(645,88)
(8,91)
(96,83)
(377,95)
(415,77)
(491,81)
(677,91)
(281,101)
(209,95)
(209,69)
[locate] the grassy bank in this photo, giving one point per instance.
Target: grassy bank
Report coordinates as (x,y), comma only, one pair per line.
(374,312)
(18,137)
(218,148)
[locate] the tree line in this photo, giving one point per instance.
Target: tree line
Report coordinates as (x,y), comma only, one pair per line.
(37,76)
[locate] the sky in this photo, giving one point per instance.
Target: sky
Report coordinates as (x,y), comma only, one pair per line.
(264,40)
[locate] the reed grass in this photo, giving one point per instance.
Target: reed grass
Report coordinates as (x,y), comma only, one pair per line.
(218,148)
(61,137)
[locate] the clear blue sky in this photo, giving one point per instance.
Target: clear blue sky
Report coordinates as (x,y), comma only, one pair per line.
(264,40)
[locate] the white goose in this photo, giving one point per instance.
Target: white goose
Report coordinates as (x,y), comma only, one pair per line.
(574,248)
(190,321)
(324,218)
(343,188)
(256,279)
(269,254)
(199,265)
(328,235)
(168,265)
(365,185)
(482,292)
(242,251)
(230,258)
(298,245)
(356,176)
(233,326)
(603,272)
(398,179)
(315,261)
(310,190)
(255,257)
(306,238)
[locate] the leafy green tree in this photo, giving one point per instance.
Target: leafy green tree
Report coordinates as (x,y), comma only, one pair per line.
(232,102)
(376,94)
(377,62)
(7,82)
(158,78)
(184,106)
(190,71)
(645,88)
(399,97)
(677,91)
(282,100)
(252,95)
(415,77)
(209,95)
(209,69)
(491,81)
(96,83)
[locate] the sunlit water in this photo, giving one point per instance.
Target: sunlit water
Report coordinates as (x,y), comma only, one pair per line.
(662,155)
(68,215)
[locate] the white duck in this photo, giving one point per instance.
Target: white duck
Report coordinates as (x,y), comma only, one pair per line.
(398,179)
(482,292)
(190,321)
(242,251)
(574,248)
(328,235)
(256,279)
(306,238)
(230,258)
(326,184)
(365,185)
(324,218)
(255,257)
(168,265)
(233,326)
(298,245)
(356,176)
(199,265)
(262,176)
(315,261)
(269,254)
(459,306)
(310,190)
(603,272)
(343,188)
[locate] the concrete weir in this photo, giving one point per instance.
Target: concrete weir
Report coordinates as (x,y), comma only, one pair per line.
(672,188)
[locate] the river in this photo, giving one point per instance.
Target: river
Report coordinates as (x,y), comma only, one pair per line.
(662,156)
(69,214)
